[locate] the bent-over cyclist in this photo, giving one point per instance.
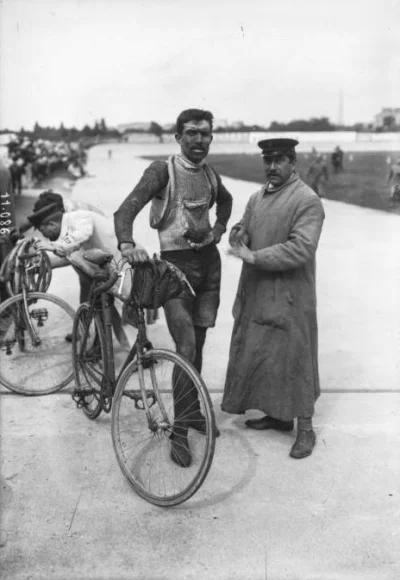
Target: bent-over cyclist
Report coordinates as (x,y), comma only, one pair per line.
(68,235)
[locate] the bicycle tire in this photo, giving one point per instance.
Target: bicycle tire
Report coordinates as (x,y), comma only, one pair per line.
(30,369)
(36,280)
(88,358)
(15,285)
(137,443)
(8,269)
(39,279)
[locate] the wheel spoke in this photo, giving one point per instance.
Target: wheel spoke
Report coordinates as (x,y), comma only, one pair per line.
(35,368)
(145,460)
(88,348)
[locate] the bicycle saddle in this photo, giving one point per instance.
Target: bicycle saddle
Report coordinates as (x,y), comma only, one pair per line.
(97,256)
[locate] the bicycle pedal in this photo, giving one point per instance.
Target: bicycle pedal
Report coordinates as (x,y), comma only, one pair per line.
(78,396)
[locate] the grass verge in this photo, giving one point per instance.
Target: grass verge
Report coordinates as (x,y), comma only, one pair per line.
(363,181)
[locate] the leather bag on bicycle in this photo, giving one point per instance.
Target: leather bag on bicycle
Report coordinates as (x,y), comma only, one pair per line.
(153,284)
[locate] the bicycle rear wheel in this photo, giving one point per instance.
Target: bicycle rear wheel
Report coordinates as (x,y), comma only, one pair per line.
(143,445)
(31,367)
(89,354)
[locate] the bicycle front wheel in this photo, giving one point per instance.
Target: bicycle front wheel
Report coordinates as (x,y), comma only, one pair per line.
(89,354)
(150,402)
(35,357)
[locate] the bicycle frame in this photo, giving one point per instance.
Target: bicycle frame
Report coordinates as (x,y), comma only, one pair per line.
(37,277)
(23,277)
(138,350)
(158,381)
(20,277)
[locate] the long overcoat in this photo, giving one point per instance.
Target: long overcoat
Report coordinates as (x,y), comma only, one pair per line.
(273,359)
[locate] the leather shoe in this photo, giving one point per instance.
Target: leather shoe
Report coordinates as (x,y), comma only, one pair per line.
(201,426)
(180,452)
(269,423)
(304,444)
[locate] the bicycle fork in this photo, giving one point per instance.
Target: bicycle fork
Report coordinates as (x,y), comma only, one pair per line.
(41,317)
(109,366)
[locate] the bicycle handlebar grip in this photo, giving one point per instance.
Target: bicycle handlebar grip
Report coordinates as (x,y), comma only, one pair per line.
(106,285)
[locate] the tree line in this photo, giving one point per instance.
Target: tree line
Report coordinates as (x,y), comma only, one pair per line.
(100,130)
(63,133)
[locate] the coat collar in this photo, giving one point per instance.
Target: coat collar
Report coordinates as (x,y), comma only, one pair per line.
(292,179)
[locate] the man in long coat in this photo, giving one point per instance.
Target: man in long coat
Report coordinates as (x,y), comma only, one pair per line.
(273,364)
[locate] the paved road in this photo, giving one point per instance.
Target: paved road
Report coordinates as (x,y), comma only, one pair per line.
(69,514)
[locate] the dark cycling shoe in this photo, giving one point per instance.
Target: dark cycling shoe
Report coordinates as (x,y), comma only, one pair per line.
(304,444)
(269,423)
(180,452)
(199,423)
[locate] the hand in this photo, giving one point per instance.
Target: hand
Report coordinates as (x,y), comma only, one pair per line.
(134,255)
(243,252)
(217,234)
(237,236)
(45,245)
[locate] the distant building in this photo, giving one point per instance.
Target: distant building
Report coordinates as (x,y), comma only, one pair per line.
(136,137)
(220,123)
(127,127)
(236,125)
(388,119)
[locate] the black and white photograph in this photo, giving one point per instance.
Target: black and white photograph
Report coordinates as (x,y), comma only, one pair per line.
(199,290)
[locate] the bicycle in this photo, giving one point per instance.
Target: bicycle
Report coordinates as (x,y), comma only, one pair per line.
(147,398)
(38,274)
(35,358)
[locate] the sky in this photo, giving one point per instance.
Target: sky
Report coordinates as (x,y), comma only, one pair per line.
(258,61)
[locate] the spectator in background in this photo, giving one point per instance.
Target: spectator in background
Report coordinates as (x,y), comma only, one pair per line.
(17,170)
(337,160)
(7,217)
(394,181)
(318,175)
(39,158)
(5,183)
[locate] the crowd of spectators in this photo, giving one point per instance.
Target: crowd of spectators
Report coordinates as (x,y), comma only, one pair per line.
(32,160)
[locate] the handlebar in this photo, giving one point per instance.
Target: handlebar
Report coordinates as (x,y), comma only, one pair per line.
(28,256)
(106,285)
(119,273)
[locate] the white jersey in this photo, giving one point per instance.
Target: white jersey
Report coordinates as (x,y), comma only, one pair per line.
(86,229)
(72,205)
(82,230)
